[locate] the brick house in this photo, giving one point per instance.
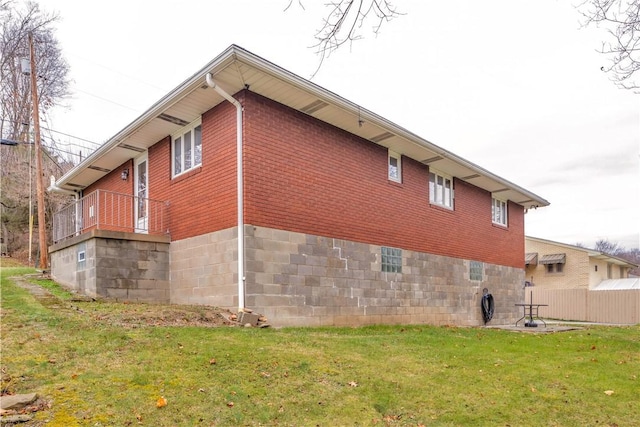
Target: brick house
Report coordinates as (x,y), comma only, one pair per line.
(250,187)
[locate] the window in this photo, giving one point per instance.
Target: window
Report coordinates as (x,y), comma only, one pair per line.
(440,190)
(187,148)
(499,211)
(395,167)
(391,260)
(81,256)
(555,268)
(476,269)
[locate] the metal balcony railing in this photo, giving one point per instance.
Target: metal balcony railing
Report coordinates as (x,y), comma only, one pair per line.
(107,210)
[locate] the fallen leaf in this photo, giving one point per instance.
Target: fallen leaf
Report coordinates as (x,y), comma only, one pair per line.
(608,392)
(353,384)
(230,404)
(533,389)
(212,361)
(161,402)
(138,417)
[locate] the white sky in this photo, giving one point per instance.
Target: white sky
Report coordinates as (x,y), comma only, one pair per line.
(513,86)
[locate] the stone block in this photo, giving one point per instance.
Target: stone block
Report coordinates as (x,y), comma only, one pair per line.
(248,318)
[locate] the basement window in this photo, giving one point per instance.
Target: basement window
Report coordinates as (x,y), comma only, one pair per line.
(391,260)
(476,270)
(186,148)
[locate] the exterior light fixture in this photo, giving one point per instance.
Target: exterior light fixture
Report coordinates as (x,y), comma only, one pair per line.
(125,174)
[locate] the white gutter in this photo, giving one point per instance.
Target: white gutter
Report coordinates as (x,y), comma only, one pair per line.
(241,292)
(53,188)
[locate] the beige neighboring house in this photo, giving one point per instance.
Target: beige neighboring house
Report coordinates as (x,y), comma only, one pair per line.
(554,265)
(580,284)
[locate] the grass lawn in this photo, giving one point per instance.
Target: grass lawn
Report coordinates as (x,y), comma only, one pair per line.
(96,368)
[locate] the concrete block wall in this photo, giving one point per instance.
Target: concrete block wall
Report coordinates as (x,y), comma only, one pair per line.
(204,269)
(130,270)
(299,279)
(75,275)
(124,266)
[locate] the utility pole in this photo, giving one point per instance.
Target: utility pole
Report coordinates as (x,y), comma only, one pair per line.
(42,231)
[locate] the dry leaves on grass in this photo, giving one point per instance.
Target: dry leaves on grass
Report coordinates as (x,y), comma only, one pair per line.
(161,402)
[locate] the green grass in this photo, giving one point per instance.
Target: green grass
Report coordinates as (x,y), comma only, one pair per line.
(96,372)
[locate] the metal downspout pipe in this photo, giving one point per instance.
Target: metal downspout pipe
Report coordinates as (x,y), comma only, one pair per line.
(241,291)
(53,188)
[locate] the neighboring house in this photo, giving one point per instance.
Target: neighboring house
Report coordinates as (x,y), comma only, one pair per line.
(554,265)
(250,187)
(580,283)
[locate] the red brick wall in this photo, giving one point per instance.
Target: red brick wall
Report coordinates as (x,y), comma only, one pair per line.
(204,199)
(113,181)
(304,175)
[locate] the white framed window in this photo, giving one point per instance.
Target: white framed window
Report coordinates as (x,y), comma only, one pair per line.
(186,148)
(395,167)
(499,211)
(441,189)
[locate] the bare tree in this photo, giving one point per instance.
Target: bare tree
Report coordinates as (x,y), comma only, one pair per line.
(621,19)
(345,19)
(607,247)
(53,84)
(17,22)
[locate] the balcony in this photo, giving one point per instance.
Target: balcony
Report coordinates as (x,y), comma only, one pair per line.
(107,210)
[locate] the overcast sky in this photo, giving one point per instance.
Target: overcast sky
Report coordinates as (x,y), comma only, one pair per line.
(512,86)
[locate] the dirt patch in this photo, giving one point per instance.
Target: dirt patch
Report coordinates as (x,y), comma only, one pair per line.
(125,314)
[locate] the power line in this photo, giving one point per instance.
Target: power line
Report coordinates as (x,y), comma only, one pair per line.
(97,144)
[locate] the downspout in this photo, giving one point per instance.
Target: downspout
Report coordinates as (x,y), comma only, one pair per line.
(225,95)
(53,188)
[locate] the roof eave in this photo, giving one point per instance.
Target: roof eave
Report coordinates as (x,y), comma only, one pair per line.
(233,53)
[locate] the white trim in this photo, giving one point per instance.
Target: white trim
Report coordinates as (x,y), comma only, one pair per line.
(141,222)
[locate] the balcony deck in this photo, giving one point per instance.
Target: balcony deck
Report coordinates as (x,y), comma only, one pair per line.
(108,210)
